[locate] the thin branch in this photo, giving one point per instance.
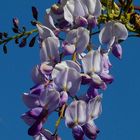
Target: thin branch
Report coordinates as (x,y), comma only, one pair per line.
(18,36)
(135,7)
(95,33)
(134,35)
(60,118)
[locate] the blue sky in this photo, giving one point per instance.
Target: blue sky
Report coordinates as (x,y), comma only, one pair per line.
(121,101)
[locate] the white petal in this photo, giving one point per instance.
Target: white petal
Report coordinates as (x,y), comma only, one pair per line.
(85,8)
(67,15)
(87,62)
(71,114)
(94,7)
(49,49)
(92,62)
(49,22)
(81,112)
(39,137)
(96,79)
(78,9)
(97,61)
(44,31)
(30,101)
(72,36)
(83,39)
(120,31)
(70,82)
(105,34)
(51,98)
(94,107)
(37,76)
(65,64)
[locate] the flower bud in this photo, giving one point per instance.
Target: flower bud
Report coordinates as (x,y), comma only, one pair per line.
(92,21)
(81,21)
(56,9)
(78,133)
(117,50)
(90,131)
(15,22)
(69,49)
(55,138)
(63,97)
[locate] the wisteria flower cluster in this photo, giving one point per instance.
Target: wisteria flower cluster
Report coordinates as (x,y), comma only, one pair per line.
(68,64)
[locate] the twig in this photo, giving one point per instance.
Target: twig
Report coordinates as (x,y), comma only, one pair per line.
(18,36)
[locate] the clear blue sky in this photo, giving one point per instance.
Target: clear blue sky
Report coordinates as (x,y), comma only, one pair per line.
(120,119)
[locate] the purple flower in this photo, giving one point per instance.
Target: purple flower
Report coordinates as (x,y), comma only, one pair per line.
(50,102)
(54,19)
(117,50)
(31,99)
(31,118)
(45,32)
(70,83)
(90,131)
(83,8)
(38,116)
(50,17)
(65,64)
(50,99)
(104,74)
(42,103)
(80,115)
(94,109)
(46,135)
(49,50)
(76,41)
(81,21)
(92,21)
(111,34)
(63,97)
(41,73)
(92,66)
(70,71)
(42,96)
(75,114)
(78,132)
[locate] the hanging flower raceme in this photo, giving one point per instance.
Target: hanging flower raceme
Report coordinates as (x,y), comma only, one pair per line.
(68,64)
(111,33)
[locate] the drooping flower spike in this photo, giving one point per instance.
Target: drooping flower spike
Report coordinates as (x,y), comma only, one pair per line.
(67,64)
